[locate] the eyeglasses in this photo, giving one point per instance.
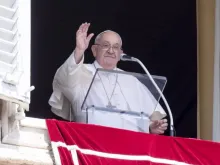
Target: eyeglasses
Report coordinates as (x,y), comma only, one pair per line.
(115,48)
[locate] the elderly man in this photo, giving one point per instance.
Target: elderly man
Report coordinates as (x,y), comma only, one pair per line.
(72,80)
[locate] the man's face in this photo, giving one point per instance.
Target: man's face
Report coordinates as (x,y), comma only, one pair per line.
(108,50)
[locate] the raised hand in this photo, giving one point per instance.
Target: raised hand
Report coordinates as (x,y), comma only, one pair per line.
(82,41)
(158,126)
(82,38)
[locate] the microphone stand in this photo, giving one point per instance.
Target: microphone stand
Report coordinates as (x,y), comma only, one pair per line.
(128,58)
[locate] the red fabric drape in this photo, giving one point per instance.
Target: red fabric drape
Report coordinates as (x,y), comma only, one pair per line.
(116,141)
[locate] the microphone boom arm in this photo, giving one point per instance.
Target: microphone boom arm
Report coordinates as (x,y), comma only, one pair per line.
(128,58)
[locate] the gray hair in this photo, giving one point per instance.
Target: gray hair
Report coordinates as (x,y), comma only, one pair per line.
(100,35)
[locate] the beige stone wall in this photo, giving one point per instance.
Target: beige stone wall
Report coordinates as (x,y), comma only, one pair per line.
(205,26)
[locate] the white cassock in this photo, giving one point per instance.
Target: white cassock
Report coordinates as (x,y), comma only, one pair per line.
(71,84)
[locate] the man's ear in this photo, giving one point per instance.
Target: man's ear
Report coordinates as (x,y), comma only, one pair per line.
(94,50)
(121,52)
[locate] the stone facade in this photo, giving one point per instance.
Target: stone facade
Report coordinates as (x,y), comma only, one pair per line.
(23,140)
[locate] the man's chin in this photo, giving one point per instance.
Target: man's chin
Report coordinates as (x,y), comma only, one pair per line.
(109,65)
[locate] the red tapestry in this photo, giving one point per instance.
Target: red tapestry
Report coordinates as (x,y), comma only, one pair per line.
(85,144)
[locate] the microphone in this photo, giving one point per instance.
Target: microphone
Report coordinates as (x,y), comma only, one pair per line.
(125,57)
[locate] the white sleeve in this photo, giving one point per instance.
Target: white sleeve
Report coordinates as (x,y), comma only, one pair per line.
(67,74)
(67,77)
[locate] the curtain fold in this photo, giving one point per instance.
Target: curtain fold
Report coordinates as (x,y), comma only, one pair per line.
(98,145)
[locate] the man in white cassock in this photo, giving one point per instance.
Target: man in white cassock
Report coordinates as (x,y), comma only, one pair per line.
(73,78)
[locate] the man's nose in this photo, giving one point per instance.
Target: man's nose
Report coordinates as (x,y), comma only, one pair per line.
(111,50)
